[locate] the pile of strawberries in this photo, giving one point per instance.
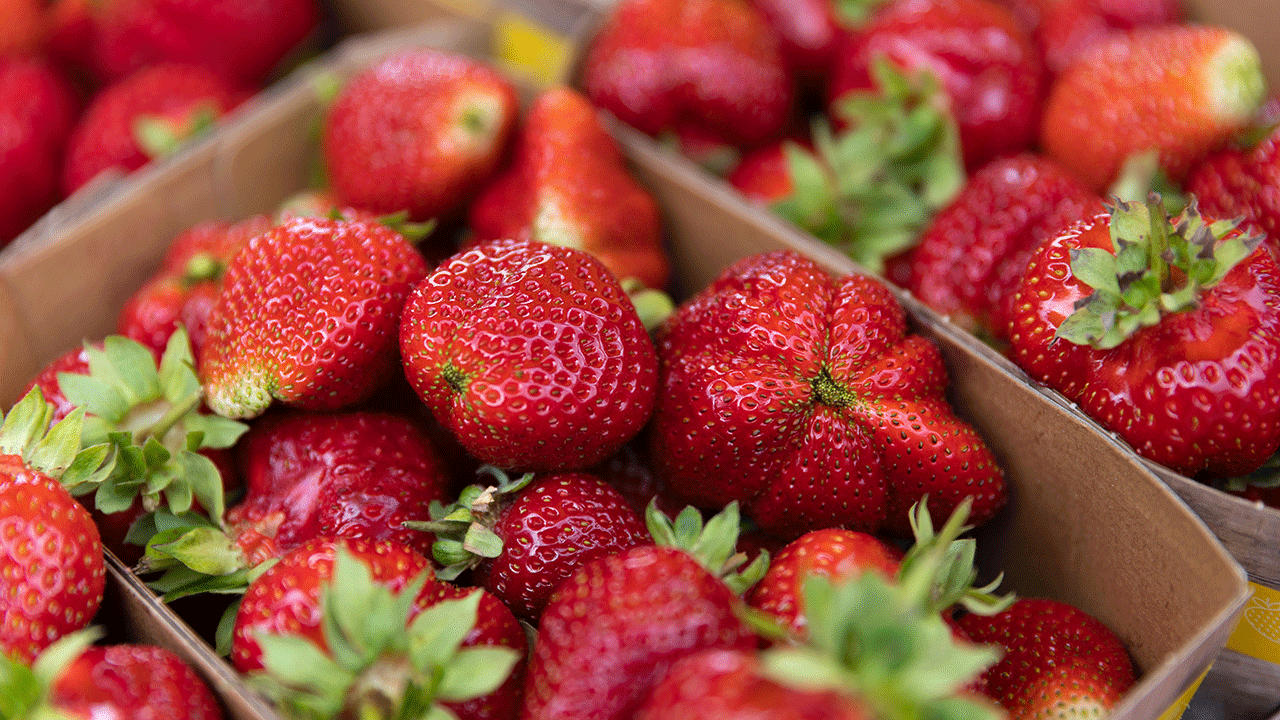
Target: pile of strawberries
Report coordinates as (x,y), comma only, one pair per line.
(1090,186)
(90,87)
(435,432)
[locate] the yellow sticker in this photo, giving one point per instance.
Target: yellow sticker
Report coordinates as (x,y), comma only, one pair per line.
(521,44)
(1179,706)
(1258,632)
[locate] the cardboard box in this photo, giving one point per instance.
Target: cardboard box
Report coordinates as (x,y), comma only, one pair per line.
(1087,522)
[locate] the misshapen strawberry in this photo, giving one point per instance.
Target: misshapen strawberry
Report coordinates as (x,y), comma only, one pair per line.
(569,185)
(419,131)
(801,395)
(308,315)
(530,354)
(706,70)
(1165,330)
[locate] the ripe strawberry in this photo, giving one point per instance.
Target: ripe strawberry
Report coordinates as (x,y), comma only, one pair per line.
(809,33)
(991,73)
(26,27)
(530,354)
(1164,330)
(1240,181)
(421,131)
(524,535)
(613,628)
(802,396)
(185,289)
(971,257)
(382,632)
(1058,660)
(1179,90)
(38,109)
(569,185)
(73,679)
(52,554)
(241,41)
(1068,28)
(709,71)
(308,315)
(142,117)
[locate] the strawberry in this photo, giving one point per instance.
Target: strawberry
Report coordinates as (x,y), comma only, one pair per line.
(1068,27)
(26,27)
(347,627)
(55,574)
(530,354)
(524,535)
(241,41)
(420,130)
(1180,91)
(1058,660)
(1239,181)
(569,185)
(992,76)
(706,71)
(809,33)
(1162,329)
(74,679)
(38,109)
(970,258)
(613,628)
(187,285)
(308,316)
(142,117)
(802,396)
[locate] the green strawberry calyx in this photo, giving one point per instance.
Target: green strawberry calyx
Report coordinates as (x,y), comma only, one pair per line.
(55,451)
(24,689)
(151,414)
(871,189)
(883,640)
(379,660)
(464,529)
(1155,267)
(652,305)
(958,574)
(713,543)
(160,135)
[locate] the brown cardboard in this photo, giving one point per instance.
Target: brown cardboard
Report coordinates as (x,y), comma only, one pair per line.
(1087,524)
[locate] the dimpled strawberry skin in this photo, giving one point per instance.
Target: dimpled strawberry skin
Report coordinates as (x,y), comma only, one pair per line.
(145,682)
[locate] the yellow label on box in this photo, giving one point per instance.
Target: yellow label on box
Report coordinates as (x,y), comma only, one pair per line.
(1258,632)
(1179,706)
(534,50)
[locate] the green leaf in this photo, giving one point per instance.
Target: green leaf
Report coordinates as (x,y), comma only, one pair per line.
(218,432)
(204,481)
(1096,267)
(177,376)
(296,662)
(25,423)
(475,672)
(482,541)
(133,364)
(438,631)
(205,550)
(96,395)
(224,636)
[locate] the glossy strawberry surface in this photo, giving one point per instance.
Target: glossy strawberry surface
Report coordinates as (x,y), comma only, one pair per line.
(308,315)
(612,630)
(54,573)
(802,396)
(569,185)
(1199,392)
(530,354)
(146,682)
(350,474)
(421,130)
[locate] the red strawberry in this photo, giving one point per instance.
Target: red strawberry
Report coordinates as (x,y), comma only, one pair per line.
(73,679)
(144,116)
(308,315)
(1057,660)
(569,185)
(612,629)
(37,112)
(830,552)
(970,259)
(992,76)
(1068,27)
(809,32)
(709,70)
(52,554)
(1241,182)
(530,354)
(241,41)
(1168,335)
(421,131)
(524,535)
(413,640)
(802,396)
(187,285)
(1179,90)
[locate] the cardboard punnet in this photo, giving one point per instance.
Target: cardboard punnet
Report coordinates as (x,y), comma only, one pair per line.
(1087,522)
